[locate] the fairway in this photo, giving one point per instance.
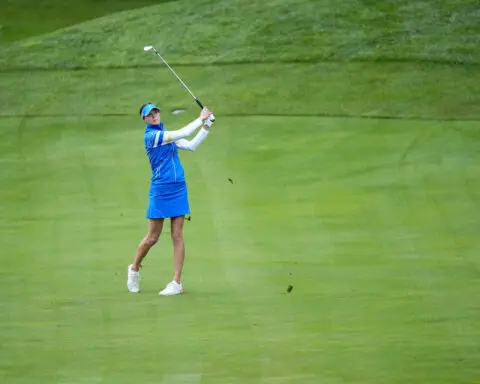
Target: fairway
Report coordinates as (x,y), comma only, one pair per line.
(347,170)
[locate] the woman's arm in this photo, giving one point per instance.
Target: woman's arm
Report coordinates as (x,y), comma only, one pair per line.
(191,145)
(199,137)
(169,136)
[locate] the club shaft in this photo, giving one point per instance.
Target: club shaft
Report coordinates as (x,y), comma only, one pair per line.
(179,79)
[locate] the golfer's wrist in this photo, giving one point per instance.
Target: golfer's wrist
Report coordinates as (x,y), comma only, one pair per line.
(209,121)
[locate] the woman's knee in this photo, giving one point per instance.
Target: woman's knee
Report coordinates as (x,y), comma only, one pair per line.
(151,239)
(177,236)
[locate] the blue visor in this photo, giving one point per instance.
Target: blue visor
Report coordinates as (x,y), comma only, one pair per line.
(147,109)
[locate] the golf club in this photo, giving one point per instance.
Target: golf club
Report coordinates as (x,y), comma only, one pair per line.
(147,48)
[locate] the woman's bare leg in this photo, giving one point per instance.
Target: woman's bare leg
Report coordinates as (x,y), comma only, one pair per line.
(178,246)
(154,230)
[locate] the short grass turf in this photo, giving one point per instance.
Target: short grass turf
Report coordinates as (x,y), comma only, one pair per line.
(354,181)
(377,234)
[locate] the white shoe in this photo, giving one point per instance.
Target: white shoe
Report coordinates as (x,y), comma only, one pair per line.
(172,288)
(133,282)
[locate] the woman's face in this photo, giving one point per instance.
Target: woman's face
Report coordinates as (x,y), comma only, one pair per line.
(153,118)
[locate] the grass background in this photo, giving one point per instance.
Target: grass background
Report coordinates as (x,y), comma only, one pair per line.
(26,18)
(351,133)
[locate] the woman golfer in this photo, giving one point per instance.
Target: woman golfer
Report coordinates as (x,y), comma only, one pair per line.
(168,191)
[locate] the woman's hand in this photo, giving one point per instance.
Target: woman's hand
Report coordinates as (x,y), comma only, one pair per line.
(205,113)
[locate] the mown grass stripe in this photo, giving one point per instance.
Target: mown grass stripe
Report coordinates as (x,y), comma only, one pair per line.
(237,115)
(452,63)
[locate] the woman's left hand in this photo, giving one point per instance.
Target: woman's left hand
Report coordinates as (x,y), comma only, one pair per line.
(205,113)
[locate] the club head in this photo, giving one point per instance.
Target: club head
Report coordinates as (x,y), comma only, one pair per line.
(147,48)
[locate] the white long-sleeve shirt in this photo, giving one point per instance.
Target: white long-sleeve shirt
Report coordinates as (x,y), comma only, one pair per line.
(178,136)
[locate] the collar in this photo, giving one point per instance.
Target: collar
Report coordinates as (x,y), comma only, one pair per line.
(156,127)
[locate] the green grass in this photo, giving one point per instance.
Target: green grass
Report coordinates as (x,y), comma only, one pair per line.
(379,243)
(399,90)
(213,31)
(20,19)
(355,179)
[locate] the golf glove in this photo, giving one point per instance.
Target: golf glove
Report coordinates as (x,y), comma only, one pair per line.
(209,121)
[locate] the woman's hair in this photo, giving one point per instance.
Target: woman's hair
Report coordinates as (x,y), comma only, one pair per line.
(143,105)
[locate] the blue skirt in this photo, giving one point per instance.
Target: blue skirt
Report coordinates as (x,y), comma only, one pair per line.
(168,200)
